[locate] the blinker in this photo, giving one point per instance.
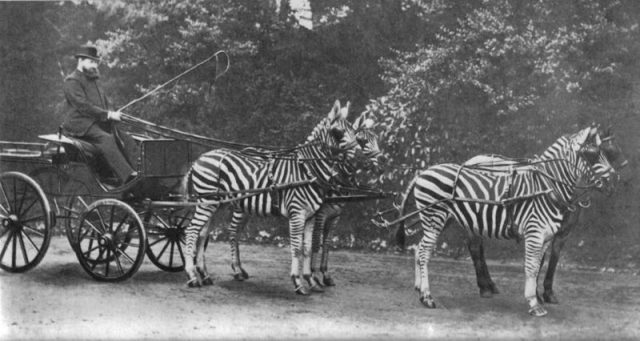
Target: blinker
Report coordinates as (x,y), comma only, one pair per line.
(590,153)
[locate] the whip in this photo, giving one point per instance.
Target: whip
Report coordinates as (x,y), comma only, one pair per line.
(215,55)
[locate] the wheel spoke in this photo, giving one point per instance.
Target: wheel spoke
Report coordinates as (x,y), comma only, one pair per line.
(117,230)
(182,220)
(107,263)
(180,251)
(6,245)
(94,228)
(100,253)
(163,250)
(90,249)
(171,253)
(31,240)
(118,264)
(33,230)
(4,210)
(158,240)
(32,219)
(125,255)
(22,211)
(25,257)
(14,250)
(102,222)
(5,199)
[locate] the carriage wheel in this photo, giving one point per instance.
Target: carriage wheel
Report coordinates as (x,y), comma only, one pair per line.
(110,240)
(166,237)
(25,222)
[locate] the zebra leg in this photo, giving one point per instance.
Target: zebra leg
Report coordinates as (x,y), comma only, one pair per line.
(201,266)
(296,234)
(324,266)
(198,223)
(238,222)
(318,241)
(556,247)
(432,224)
(314,285)
(485,283)
(548,295)
(534,251)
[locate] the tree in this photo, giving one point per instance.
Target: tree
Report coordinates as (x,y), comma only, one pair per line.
(484,81)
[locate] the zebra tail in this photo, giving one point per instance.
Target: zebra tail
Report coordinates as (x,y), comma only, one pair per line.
(400,231)
(185,185)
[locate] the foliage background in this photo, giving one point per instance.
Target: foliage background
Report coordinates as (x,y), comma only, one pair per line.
(446,79)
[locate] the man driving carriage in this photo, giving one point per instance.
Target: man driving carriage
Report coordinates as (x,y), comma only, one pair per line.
(88,114)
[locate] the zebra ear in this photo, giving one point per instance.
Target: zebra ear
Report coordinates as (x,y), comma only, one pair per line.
(344,112)
(580,138)
(333,114)
(359,121)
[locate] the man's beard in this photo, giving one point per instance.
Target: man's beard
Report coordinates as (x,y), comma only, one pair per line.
(92,73)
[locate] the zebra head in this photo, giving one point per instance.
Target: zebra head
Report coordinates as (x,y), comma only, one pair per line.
(602,153)
(336,136)
(368,141)
(596,157)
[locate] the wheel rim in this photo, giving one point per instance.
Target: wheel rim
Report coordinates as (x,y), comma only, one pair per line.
(166,237)
(25,222)
(110,240)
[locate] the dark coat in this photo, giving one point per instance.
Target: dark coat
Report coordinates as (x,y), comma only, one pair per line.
(85,104)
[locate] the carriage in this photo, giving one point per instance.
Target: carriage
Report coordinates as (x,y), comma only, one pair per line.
(59,183)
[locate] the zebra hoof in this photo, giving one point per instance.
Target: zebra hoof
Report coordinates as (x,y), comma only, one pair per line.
(317,288)
(428,302)
(193,283)
(486,293)
(302,290)
(238,277)
(550,297)
(328,282)
(494,289)
(207,281)
(245,275)
(537,311)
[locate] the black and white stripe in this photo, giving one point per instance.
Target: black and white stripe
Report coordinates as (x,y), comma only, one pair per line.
(227,171)
(479,201)
(327,218)
(498,163)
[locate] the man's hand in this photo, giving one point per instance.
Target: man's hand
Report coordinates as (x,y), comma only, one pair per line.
(114,115)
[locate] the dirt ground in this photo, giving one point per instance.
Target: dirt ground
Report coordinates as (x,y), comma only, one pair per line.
(373,299)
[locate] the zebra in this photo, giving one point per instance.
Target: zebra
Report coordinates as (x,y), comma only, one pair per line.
(371,154)
(332,142)
(528,203)
(327,217)
(475,244)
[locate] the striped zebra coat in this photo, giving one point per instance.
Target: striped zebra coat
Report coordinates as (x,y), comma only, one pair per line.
(475,244)
(227,171)
(328,216)
(371,154)
(529,203)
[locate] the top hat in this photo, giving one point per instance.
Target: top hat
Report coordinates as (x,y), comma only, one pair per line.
(87,51)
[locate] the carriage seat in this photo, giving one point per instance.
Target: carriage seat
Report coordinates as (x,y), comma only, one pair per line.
(74,148)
